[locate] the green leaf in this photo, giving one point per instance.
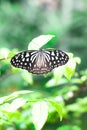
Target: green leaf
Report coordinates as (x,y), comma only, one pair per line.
(58,108)
(27,77)
(12,107)
(79,107)
(50,83)
(39,114)
(57,74)
(13,52)
(70,67)
(4,53)
(39,41)
(13,95)
(69,127)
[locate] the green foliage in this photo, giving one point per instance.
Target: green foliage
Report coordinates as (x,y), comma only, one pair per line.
(43,99)
(39,114)
(69,127)
(76,36)
(55,101)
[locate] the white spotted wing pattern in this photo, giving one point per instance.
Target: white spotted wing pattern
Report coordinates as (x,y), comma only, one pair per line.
(39,61)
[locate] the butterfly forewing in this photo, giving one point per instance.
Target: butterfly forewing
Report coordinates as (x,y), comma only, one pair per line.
(23,60)
(57,58)
(39,62)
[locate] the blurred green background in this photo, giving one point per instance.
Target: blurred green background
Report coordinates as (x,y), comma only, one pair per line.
(31,102)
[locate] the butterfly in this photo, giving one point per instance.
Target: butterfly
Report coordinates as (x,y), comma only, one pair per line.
(39,61)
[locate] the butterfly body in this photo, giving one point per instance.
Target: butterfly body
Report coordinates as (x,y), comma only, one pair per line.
(39,61)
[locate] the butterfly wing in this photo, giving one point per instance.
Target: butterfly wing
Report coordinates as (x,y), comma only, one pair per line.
(23,60)
(56,58)
(39,62)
